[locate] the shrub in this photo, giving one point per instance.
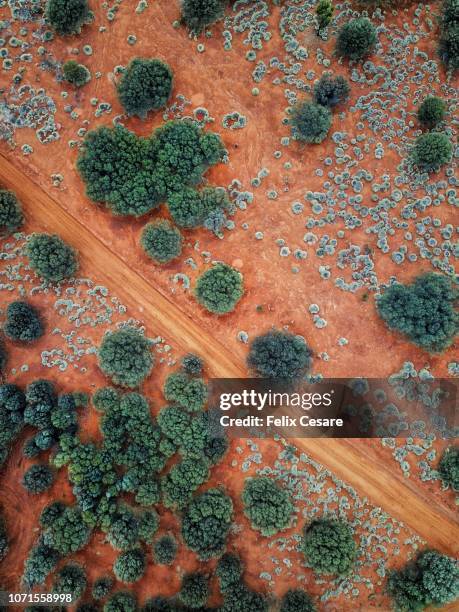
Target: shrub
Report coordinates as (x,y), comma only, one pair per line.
(424,311)
(194,591)
(183,479)
(448,467)
(229,572)
(266,505)
(68,533)
(67,16)
(192,364)
(219,289)
(191,393)
(71,578)
(102,587)
(115,166)
(279,354)
(50,257)
(130,565)
(198,14)
(122,601)
(431,151)
(75,73)
(431,112)
(206,523)
(38,478)
(329,546)
(430,579)
(145,85)
(50,513)
(161,241)
(310,122)
(23,322)
(165,550)
(3,539)
(125,356)
(11,217)
(297,600)
(356,39)
(324,13)
(330,91)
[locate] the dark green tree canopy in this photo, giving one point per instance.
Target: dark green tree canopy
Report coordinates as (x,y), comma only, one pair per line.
(125,356)
(330,91)
(266,505)
(165,550)
(296,600)
(190,208)
(329,546)
(356,39)
(23,323)
(324,13)
(122,601)
(11,217)
(449,467)
(219,289)
(51,512)
(68,533)
(431,111)
(38,478)
(192,364)
(183,479)
(71,578)
(145,85)
(310,122)
(194,590)
(161,241)
(3,539)
(448,48)
(229,571)
(102,587)
(198,14)
(130,565)
(50,257)
(67,16)
(75,73)
(278,354)
(431,151)
(424,311)
(186,391)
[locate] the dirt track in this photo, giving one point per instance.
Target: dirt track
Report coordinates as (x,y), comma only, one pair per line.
(346,459)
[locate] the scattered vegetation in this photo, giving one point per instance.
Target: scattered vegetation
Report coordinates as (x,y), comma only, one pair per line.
(198,14)
(448,467)
(161,241)
(296,600)
(431,151)
(330,91)
(356,39)
(266,505)
(23,323)
(424,311)
(431,112)
(75,73)
(329,546)
(146,85)
(38,478)
(67,17)
(194,590)
(50,257)
(278,354)
(310,122)
(165,550)
(125,356)
(219,289)
(11,217)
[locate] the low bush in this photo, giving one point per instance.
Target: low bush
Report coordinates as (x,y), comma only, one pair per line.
(130,565)
(75,73)
(50,257)
(198,14)
(194,590)
(165,550)
(266,505)
(219,289)
(125,356)
(310,122)
(431,151)
(431,112)
(67,16)
(161,241)
(23,323)
(329,546)
(145,85)
(38,478)
(71,579)
(356,39)
(11,217)
(278,354)
(448,467)
(330,91)
(296,600)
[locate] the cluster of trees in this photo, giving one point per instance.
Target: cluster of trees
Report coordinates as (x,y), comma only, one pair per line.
(267,506)
(23,322)
(329,546)
(11,216)
(237,597)
(219,289)
(279,354)
(296,600)
(125,356)
(75,73)
(145,85)
(67,17)
(50,257)
(12,406)
(71,578)
(424,311)
(198,14)
(431,579)
(194,590)
(448,467)
(449,35)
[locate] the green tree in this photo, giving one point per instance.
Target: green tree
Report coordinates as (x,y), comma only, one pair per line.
(448,48)
(125,356)
(356,39)
(50,513)
(330,91)
(431,111)
(194,591)
(71,578)
(190,208)
(266,505)
(23,322)
(68,533)
(124,528)
(165,550)
(67,16)
(11,217)
(229,572)
(75,73)
(424,311)
(278,354)
(310,122)
(145,85)
(41,561)
(241,599)
(448,467)
(161,241)
(102,587)
(192,364)
(431,151)
(182,480)
(50,257)
(324,14)
(296,600)
(122,601)
(130,565)
(198,14)
(329,546)
(219,289)
(3,539)
(188,392)
(38,478)
(12,405)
